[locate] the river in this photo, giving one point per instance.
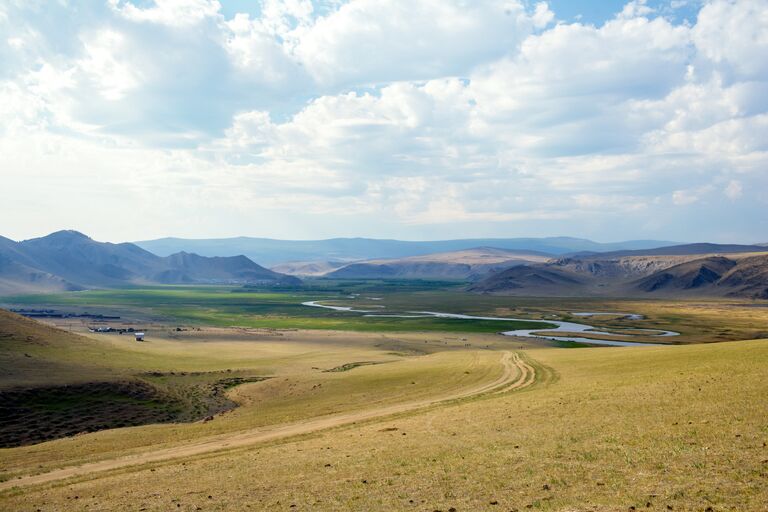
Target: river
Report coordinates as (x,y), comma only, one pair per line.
(562,326)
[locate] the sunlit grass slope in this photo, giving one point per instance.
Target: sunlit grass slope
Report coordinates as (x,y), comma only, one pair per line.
(299,384)
(667,428)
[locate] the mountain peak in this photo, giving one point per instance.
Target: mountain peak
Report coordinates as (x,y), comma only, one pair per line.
(66,234)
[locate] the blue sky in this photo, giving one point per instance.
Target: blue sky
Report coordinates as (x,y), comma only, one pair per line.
(414,119)
(597,12)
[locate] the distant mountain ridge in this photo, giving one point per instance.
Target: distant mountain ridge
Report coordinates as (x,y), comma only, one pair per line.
(469,264)
(69,260)
(271,252)
(678,250)
(743,272)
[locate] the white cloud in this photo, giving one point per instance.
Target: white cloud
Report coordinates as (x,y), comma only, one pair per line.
(372,41)
(176,13)
(103,64)
(483,116)
(259,56)
(635,8)
(733,34)
(542,15)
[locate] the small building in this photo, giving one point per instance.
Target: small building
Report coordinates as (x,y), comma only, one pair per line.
(139,336)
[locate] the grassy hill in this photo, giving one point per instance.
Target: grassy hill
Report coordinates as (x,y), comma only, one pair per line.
(467,264)
(666,428)
(219,417)
(32,353)
(54,384)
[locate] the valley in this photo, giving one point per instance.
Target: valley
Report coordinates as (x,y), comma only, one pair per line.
(548,368)
(384,255)
(332,413)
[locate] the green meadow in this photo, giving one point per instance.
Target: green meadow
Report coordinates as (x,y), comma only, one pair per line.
(228,306)
(231,306)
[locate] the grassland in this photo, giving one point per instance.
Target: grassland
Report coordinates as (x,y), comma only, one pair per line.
(699,321)
(679,427)
(684,427)
(412,367)
(225,307)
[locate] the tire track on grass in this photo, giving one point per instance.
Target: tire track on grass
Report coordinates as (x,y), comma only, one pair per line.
(516,374)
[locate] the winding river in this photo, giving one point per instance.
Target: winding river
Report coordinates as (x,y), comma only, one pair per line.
(562,326)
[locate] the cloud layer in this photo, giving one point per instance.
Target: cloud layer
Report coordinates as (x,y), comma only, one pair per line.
(390,118)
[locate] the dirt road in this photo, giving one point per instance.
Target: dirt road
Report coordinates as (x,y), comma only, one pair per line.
(517,374)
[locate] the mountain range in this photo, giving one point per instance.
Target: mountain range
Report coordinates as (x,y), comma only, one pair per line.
(683,271)
(271,252)
(69,260)
(469,264)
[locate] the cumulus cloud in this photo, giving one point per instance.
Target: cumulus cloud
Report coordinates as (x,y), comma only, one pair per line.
(105,67)
(371,41)
(732,35)
(175,13)
(392,116)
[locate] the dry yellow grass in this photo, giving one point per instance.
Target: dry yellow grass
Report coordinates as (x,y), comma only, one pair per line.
(606,429)
(298,389)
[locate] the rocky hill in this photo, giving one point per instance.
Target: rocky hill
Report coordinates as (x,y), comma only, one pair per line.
(69,260)
(739,274)
(715,276)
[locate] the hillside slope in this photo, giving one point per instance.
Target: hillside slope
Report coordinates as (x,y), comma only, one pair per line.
(79,259)
(694,275)
(541,279)
(467,264)
(602,429)
(33,353)
(192,268)
(68,260)
(55,384)
(712,276)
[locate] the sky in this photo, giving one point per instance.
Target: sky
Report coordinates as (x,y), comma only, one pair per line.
(408,119)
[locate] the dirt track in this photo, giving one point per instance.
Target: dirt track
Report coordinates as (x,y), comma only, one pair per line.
(517,374)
